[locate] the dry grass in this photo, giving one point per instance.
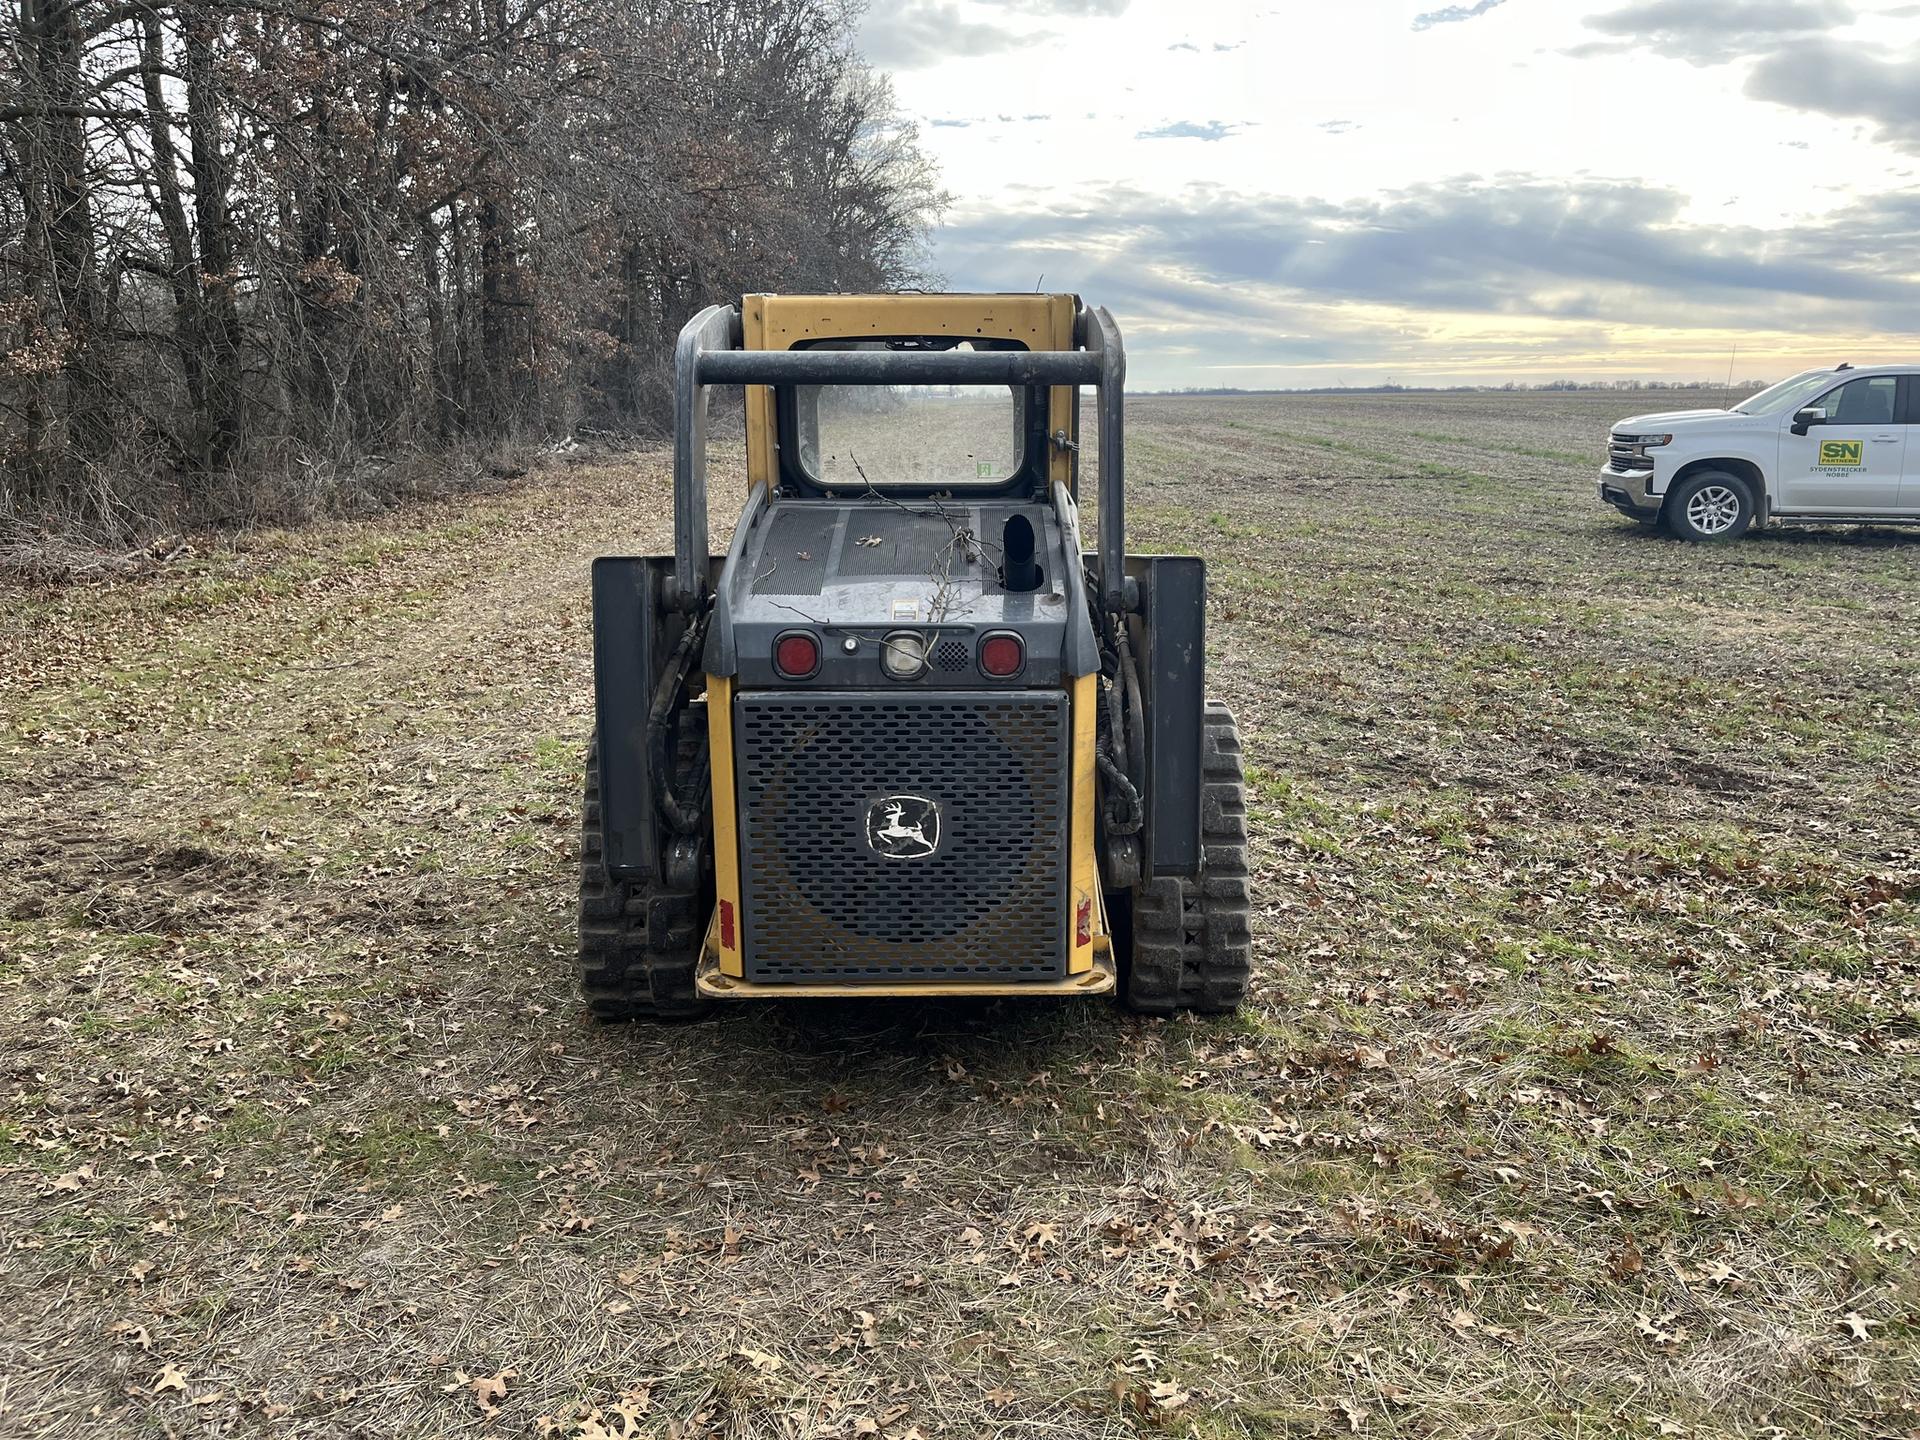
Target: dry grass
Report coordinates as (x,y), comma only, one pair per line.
(1576,1097)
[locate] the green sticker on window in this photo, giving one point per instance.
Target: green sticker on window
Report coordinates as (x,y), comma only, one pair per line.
(983,470)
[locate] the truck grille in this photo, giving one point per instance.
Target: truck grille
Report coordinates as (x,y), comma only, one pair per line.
(1622,456)
(983,778)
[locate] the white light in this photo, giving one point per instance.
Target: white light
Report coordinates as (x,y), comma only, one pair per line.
(903,654)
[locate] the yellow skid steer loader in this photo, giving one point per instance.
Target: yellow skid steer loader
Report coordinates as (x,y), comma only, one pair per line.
(906,736)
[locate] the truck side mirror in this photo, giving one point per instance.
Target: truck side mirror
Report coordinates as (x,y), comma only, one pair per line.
(1805,420)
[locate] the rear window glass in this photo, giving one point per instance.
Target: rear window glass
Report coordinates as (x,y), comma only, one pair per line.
(943,437)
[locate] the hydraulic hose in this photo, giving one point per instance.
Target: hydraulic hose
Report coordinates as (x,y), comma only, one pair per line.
(687,815)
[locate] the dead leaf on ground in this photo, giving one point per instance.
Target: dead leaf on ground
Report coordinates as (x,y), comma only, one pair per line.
(73,1180)
(490,1390)
(1168,1395)
(1857,1326)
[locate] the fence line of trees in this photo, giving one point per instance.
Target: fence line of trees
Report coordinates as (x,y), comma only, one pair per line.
(251,248)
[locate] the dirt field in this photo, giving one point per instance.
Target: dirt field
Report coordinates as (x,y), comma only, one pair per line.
(1577,1096)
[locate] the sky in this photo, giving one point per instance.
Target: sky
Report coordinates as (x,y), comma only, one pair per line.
(1346,192)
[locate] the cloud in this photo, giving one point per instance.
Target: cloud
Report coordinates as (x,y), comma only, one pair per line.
(1189,130)
(1829,78)
(1454,14)
(1338,127)
(1520,254)
(1713,32)
(1104,8)
(912,34)
(1184,45)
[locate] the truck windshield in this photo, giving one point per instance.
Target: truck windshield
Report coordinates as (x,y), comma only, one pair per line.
(946,437)
(1787,395)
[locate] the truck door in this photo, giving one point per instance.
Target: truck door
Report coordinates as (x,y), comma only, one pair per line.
(1910,414)
(1853,464)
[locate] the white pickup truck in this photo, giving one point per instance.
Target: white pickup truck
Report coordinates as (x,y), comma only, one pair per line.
(1827,446)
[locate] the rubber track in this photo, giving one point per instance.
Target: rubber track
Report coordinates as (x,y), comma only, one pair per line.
(638,946)
(1193,939)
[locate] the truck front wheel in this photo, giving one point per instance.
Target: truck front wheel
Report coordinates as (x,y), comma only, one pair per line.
(1709,505)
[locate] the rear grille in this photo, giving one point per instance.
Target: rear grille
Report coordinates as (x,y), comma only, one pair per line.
(984,779)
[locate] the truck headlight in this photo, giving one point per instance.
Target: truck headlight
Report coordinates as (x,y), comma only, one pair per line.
(1648,442)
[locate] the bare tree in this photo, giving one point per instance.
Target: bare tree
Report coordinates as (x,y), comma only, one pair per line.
(247,239)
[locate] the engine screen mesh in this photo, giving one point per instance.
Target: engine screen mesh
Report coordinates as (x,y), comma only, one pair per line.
(911,837)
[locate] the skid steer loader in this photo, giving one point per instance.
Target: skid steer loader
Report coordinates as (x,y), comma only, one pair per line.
(906,736)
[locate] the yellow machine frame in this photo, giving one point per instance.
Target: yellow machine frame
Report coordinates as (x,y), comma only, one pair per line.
(778,322)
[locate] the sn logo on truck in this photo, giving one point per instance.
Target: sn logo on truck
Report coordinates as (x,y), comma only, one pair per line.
(1839,453)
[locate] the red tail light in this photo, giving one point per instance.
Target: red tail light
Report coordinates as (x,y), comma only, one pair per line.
(796,655)
(1002,655)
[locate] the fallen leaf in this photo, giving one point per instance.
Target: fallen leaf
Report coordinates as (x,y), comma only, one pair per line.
(1629,1261)
(125,1332)
(1168,1396)
(490,1390)
(170,1378)
(1040,1235)
(1857,1326)
(74,1180)
(760,1360)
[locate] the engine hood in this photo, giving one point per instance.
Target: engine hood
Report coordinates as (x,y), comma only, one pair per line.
(1665,419)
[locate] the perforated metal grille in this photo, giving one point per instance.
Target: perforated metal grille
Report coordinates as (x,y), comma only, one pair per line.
(909,545)
(952,656)
(815,772)
(794,561)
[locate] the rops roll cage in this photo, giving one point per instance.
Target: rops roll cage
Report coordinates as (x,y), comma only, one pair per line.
(709,353)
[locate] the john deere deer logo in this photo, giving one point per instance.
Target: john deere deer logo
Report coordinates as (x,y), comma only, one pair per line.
(1840,453)
(903,827)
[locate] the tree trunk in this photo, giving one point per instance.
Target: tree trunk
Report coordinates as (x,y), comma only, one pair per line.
(60,192)
(212,182)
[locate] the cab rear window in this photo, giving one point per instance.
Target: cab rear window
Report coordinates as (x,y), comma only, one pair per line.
(947,437)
